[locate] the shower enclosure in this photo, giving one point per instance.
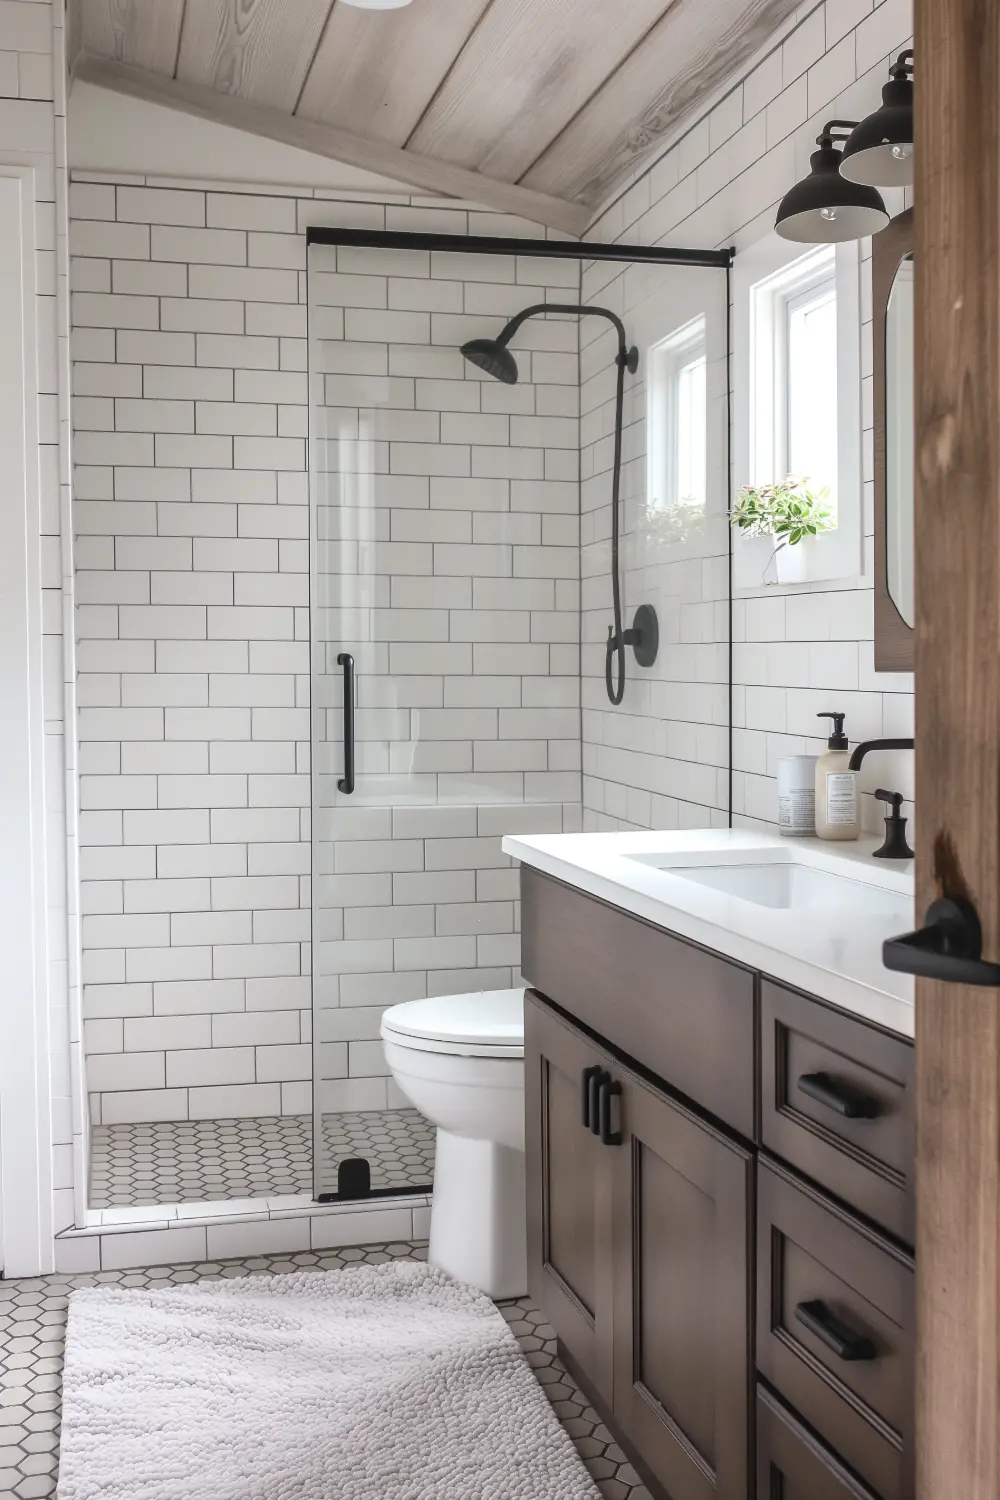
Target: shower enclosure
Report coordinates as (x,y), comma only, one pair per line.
(452,505)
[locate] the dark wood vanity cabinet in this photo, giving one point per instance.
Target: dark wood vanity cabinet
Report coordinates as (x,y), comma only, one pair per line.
(729,1296)
(639,1255)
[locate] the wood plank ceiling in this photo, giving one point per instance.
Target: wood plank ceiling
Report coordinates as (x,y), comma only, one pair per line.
(562,97)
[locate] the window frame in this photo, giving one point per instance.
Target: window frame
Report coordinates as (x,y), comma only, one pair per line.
(765,277)
(668,359)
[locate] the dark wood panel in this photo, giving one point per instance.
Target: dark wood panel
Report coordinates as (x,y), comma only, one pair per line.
(792,1464)
(682,1201)
(894,639)
(811,1253)
(568,1194)
(957,193)
(868,1162)
(685,1013)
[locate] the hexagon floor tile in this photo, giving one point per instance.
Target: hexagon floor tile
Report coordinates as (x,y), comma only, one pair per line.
(183,1161)
(32,1328)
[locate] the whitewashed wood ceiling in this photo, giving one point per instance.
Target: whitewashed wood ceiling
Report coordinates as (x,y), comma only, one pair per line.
(559,99)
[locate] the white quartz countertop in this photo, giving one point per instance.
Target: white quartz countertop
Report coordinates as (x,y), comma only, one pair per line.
(833,950)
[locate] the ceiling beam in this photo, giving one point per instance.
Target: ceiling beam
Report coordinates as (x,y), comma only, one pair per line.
(333,143)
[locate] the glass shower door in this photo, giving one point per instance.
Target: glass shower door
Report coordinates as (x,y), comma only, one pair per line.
(445,574)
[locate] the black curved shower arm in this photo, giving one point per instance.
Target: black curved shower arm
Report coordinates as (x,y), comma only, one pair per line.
(573,309)
(618,639)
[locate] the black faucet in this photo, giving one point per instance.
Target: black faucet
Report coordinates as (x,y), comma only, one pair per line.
(860,751)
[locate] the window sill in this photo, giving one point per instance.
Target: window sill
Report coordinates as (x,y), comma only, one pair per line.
(822,559)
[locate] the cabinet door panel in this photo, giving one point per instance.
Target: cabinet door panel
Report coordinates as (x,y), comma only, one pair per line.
(569,1194)
(682,1195)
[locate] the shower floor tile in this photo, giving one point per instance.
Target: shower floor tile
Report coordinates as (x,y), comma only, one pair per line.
(189,1161)
(32,1334)
(398,1144)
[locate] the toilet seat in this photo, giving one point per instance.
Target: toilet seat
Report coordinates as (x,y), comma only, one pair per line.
(487,1023)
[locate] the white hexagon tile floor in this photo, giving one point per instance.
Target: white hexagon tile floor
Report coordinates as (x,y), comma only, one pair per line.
(32,1327)
(183,1161)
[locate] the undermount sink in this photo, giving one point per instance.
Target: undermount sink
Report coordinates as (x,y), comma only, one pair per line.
(788,885)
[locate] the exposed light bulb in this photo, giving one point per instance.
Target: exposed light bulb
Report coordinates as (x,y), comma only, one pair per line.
(829,214)
(902,152)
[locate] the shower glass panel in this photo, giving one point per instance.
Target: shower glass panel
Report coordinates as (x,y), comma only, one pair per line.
(446,630)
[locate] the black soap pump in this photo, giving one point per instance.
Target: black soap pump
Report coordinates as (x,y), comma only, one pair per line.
(836,787)
(895,846)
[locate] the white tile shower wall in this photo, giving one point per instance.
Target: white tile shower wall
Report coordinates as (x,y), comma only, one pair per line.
(447,562)
(796,650)
(192,521)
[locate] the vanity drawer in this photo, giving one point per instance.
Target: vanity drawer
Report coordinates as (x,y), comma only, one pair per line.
(792,1464)
(835,1328)
(682,1012)
(837,1102)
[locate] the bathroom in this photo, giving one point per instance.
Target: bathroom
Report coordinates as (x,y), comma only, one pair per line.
(324,604)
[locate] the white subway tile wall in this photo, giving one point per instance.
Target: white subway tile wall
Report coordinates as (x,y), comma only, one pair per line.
(457,536)
(660,760)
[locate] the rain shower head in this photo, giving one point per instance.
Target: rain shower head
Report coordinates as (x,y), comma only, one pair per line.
(493,357)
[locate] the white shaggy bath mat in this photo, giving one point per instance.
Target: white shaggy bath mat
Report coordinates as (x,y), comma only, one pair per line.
(387,1382)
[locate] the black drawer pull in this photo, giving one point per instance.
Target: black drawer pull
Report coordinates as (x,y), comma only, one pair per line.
(846,1342)
(587,1078)
(597,1076)
(846,1101)
(608,1088)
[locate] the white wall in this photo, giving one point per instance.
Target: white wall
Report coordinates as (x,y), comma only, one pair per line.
(36,1112)
(796,650)
(112,133)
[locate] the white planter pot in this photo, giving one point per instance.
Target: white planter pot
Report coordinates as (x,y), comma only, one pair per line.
(790,565)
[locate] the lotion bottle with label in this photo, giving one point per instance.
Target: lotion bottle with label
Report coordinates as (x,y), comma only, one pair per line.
(837,812)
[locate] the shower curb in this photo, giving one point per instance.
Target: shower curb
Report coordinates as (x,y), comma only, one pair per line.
(165,1234)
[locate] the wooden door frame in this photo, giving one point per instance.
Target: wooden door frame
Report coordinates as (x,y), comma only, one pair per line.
(957,203)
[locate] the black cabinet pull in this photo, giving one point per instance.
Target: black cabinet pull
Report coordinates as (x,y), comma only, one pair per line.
(949,946)
(597,1076)
(346,783)
(845,1341)
(587,1077)
(840,1097)
(608,1088)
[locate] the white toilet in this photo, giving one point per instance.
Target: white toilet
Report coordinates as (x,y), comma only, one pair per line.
(459,1059)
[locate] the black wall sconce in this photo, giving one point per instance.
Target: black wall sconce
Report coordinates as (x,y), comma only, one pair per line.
(839,198)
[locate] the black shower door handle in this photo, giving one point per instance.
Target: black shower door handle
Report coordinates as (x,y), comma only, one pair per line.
(346,783)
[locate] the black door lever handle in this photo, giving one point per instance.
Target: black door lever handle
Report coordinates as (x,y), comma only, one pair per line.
(949,947)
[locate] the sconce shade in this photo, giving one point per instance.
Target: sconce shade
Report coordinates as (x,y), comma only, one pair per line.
(824,208)
(879,151)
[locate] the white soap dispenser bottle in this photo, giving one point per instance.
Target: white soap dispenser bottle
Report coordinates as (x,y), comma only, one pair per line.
(837,815)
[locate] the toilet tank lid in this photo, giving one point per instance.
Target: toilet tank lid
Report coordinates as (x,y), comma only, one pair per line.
(489,1018)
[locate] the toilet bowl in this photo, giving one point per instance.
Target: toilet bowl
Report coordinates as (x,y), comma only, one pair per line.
(459,1059)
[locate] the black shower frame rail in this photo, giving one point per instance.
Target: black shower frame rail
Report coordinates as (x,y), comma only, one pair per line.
(482,244)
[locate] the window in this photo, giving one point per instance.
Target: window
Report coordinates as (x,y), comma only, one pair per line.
(678,419)
(794,396)
(797,389)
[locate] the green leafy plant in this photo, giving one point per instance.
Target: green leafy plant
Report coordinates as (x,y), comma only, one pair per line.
(787,511)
